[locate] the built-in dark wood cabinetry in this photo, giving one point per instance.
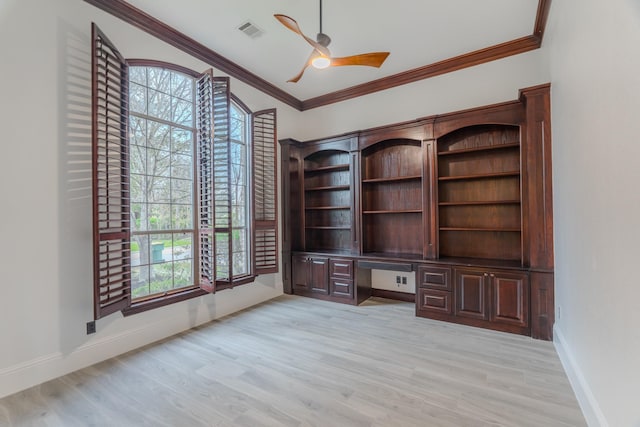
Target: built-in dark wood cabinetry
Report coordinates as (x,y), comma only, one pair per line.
(463,199)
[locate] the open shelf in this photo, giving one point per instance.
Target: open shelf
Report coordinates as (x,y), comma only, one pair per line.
(329,188)
(517,230)
(326,208)
(327,201)
(326,228)
(479,193)
(479,176)
(393,179)
(481,203)
(398,211)
(332,168)
(479,149)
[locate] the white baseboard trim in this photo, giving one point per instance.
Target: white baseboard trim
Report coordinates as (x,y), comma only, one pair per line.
(587,401)
(22,376)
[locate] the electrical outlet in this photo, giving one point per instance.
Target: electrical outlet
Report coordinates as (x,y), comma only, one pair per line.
(91,327)
(558,313)
(404,280)
(398,280)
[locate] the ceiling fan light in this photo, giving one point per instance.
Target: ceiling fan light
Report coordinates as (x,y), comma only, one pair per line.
(320,62)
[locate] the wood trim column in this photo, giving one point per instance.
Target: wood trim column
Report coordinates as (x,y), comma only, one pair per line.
(537,207)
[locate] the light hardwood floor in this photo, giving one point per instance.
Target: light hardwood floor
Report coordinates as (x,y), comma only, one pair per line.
(296,361)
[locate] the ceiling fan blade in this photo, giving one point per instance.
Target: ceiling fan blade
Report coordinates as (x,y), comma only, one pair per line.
(291,24)
(295,79)
(373,59)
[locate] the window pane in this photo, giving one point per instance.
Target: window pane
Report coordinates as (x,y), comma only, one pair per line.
(182,86)
(139,281)
(138,75)
(182,217)
(159,216)
(158,189)
(137,188)
(137,131)
(161,277)
(158,162)
(181,166)
(138,217)
(139,250)
(182,112)
(137,159)
(240,263)
(183,273)
(158,136)
(159,105)
(182,246)
(238,154)
(181,141)
(161,245)
(239,216)
(159,79)
(181,190)
(237,129)
(222,256)
(137,98)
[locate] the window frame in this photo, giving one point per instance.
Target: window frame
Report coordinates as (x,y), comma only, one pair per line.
(181,294)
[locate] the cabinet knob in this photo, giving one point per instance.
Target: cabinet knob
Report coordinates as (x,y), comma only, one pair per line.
(492,275)
(486,274)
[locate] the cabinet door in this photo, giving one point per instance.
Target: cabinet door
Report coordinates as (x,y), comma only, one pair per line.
(319,275)
(510,298)
(471,293)
(300,273)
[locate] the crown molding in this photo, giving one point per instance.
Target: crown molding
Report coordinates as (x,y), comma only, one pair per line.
(139,19)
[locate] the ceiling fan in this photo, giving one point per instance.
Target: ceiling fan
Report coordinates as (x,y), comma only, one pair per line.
(321,56)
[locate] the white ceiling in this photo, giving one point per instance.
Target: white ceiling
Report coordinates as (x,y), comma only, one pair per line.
(416,32)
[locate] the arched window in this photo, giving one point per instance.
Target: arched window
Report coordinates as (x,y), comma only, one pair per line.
(183,184)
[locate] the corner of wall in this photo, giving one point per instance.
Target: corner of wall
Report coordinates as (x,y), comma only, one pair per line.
(586,399)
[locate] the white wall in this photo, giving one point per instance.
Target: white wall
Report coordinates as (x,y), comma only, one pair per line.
(595,62)
(45,219)
(45,258)
(486,84)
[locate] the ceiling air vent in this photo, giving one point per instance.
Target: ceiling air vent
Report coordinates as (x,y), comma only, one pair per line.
(251,29)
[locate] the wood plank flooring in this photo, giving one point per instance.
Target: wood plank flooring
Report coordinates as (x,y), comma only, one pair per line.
(297,361)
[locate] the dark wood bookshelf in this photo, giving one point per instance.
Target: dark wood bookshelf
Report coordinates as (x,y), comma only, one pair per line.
(326,208)
(480,203)
(332,168)
(397,211)
(329,188)
(480,149)
(480,176)
(462,199)
(393,179)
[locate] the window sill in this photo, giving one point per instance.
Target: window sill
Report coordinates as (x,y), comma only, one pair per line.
(182,295)
(162,300)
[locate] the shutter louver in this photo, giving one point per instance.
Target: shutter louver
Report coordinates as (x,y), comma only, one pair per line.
(110,177)
(204,112)
(222,180)
(265,200)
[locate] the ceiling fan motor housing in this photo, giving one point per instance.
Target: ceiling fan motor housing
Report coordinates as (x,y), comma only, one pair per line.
(323,39)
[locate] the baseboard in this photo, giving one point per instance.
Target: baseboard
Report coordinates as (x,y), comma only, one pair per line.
(395,295)
(587,401)
(22,376)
